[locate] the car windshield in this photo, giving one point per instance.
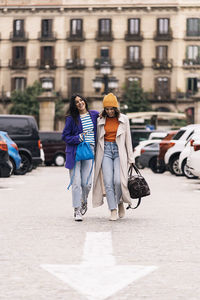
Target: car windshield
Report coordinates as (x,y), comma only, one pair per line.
(178,135)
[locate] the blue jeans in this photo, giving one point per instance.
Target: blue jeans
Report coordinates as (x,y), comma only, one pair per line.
(111,174)
(80,186)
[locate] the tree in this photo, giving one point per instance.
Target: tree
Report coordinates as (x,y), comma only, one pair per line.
(25,102)
(134,98)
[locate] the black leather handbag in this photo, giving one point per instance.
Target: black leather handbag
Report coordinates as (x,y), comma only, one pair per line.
(137,185)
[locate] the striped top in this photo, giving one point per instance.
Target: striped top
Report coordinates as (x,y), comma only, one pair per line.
(88,127)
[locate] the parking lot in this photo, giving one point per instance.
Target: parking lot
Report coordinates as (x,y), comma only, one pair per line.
(153,253)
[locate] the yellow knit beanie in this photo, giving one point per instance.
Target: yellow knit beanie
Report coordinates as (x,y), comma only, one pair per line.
(110,100)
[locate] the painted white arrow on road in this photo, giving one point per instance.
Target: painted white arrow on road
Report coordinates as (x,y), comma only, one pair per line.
(98,276)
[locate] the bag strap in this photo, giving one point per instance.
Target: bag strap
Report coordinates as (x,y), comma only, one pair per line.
(129,206)
(133,166)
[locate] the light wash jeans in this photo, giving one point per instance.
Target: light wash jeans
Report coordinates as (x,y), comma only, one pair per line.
(80,186)
(111,174)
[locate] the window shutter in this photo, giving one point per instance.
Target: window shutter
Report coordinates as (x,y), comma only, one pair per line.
(12,84)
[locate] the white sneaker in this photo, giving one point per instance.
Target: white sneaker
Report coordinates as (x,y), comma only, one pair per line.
(77,215)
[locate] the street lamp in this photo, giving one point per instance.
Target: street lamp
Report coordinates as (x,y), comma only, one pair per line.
(109,83)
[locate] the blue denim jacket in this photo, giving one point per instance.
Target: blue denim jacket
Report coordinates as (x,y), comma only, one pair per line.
(71,136)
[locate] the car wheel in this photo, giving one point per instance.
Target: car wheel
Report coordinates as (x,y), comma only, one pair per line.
(59,160)
(155,166)
(186,170)
(138,164)
(174,167)
(25,165)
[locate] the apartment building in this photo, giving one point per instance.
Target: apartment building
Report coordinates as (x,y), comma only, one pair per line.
(83,46)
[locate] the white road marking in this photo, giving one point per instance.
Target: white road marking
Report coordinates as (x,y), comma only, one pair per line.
(5,189)
(98,277)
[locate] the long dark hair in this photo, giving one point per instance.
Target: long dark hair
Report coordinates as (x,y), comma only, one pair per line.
(73,110)
(117,112)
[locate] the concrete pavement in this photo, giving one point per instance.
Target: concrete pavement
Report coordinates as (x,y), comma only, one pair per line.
(37,228)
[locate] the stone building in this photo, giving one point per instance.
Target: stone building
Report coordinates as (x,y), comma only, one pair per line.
(86,46)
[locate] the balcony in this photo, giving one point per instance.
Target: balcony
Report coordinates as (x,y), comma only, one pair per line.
(192,36)
(47,37)
(158,96)
(78,64)
(191,63)
(18,64)
(46,64)
(102,62)
(134,36)
(78,37)
(158,36)
(133,64)
(165,64)
(104,36)
(19,36)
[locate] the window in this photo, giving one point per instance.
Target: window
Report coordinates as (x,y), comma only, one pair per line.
(76,85)
(133,53)
(193,52)
(18,28)
(163,26)
(19,53)
(162,88)
(104,52)
(104,26)
(193,27)
(47,53)
(75,53)
(192,87)
(133,26)
(161,53)
(14,126)
(132,80)
(76,27)
(46,28)
(19,83)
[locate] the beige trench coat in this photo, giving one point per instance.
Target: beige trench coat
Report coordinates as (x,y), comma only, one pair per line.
(123,140)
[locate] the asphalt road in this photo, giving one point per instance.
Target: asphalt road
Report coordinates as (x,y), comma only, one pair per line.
(153,253)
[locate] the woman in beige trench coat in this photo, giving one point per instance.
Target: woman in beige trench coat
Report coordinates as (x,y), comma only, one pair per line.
(123,143)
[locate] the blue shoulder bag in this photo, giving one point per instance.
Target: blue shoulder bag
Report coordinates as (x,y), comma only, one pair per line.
(83,152)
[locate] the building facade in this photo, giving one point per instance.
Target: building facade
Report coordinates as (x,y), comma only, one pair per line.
(66,44)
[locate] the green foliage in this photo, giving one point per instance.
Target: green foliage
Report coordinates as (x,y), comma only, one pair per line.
(134,99)
(25,102)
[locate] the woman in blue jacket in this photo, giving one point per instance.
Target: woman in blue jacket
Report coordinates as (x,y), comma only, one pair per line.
(79,122)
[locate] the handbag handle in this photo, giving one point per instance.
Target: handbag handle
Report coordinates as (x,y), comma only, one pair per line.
(133,166)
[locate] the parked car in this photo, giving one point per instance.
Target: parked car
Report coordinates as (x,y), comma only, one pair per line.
(13,152)
(149,157)
(176,146)
(164,145)
(193,160)
(156,137)
(138,135)
(5,165)
(23,131)
(54,147)
(183,166)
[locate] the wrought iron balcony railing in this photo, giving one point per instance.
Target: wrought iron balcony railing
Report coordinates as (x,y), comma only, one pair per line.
(46,64)
(134,36)
(133,64)
(103,62)
(79,36)
(104,36)
(47,37)
(163,36)
(77,63)
(19,36)
(18,63)
(191,63)
(158,64)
